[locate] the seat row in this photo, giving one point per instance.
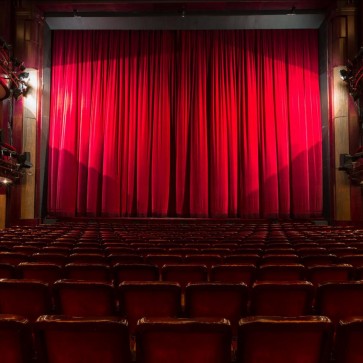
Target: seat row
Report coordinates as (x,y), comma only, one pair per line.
(134,300)
(209,259)
(181,273)
(164,340)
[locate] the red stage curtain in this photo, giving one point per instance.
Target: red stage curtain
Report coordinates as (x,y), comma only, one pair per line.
(185,123)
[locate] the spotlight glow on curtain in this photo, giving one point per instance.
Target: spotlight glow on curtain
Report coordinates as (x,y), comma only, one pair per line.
(185,123)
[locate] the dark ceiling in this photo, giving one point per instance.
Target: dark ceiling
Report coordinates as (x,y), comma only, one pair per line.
(133,7)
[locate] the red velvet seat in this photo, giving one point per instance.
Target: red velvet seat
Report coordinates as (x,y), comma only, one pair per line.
(88,271)
(114,259)
(242,258)
(28,298)
(184,274)
(149,299)
(163,259)
(135,272)
(305,339)
(340,300)
(183,341)
(84,298)
(118,250)
(313,260)
(144,251)
(15,339)
(26,249)
(85,249)
(218,300)
(279,259)
(312,251)
(203,259)
(63,339)
(341,251)
(13,258)
(292,272)
(56,249)
(55,258)
(7,271)
(233,273)
(254,248)
(42,271)
(348,343)
(329,273)
(355,260)
(97,258)
(289,298)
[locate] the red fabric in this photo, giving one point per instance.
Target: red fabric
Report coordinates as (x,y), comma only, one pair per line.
(185,123)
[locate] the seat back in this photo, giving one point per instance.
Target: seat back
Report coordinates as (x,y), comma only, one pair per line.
(329,273)
(115,258)
(183,340)
(348,342)
(7,271)
(282,298)
(55,258)
(233,273)
(203,259)
(284,340)
(217,300)
(242,258)
(313,260)
(42,271)
(163,259)
(96,258)
(149,299)
(135,272)
(77,339)
(13,258)
(84,298)
(88,271)
(340,300)
(279,259)
(15,339)
(28,298)
(293,272)
(184,274)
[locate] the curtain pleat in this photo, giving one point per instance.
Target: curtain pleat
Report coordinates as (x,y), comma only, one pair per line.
(185,124)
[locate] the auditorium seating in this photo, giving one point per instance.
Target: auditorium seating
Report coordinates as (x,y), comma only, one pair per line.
(340,300)
(349,338)
(7,271)
(135,272)
(15,339)
(279,272)
(291,298)
(41,271)
(99,272)
(320,274)
(305,339)
(233,273)
(79,339)
(84,298)
(179,341)
(27,298)
(148,299)
(184,274)
(218,300)
(303,266)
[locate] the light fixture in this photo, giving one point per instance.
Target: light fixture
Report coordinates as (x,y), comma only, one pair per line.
(344,75)
(5,181)
(292,11)
(183,13)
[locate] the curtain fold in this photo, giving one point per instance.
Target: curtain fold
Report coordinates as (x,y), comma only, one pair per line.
(185,124)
